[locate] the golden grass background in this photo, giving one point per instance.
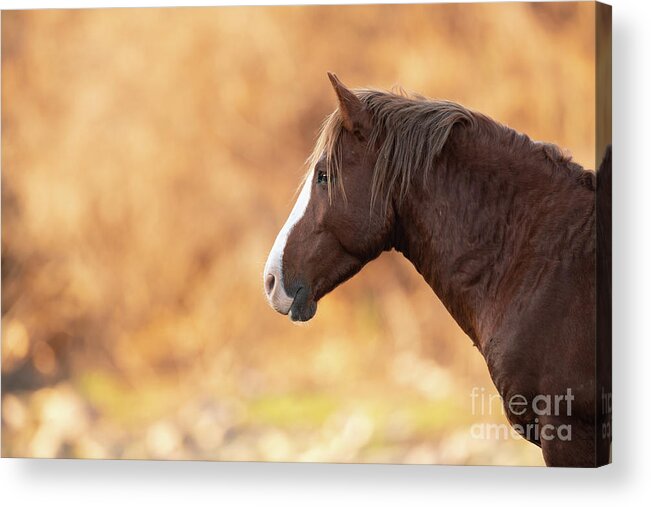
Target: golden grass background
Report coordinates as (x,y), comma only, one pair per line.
(150,156)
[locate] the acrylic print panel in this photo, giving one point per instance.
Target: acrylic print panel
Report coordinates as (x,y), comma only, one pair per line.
(150,158)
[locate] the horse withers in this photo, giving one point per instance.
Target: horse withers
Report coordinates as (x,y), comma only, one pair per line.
(502,228)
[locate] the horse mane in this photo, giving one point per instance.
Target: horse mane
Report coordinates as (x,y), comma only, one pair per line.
(410,131)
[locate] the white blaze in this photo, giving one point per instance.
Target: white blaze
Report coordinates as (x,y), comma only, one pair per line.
(278,297)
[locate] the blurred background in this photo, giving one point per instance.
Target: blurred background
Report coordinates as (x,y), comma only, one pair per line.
(149,158)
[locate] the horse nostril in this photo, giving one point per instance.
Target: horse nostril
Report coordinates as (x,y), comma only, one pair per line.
(269,283)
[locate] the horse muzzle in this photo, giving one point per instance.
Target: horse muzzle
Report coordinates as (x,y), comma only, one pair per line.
(299,306)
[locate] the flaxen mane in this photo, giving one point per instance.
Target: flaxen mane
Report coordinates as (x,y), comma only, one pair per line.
(410,131)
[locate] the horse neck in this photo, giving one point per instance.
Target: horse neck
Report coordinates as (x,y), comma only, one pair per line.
(483,220)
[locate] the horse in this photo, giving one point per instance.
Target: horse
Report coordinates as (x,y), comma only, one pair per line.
(501,227)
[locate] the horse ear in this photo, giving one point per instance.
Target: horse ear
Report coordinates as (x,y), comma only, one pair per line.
(353,113)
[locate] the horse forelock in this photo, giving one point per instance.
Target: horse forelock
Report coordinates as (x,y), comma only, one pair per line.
(408,132)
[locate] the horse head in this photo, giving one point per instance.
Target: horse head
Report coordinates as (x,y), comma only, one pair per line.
(335,227)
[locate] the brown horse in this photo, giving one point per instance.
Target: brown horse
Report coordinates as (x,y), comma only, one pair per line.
(502,228)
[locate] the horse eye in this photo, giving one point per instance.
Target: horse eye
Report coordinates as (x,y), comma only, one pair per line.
(321,178)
